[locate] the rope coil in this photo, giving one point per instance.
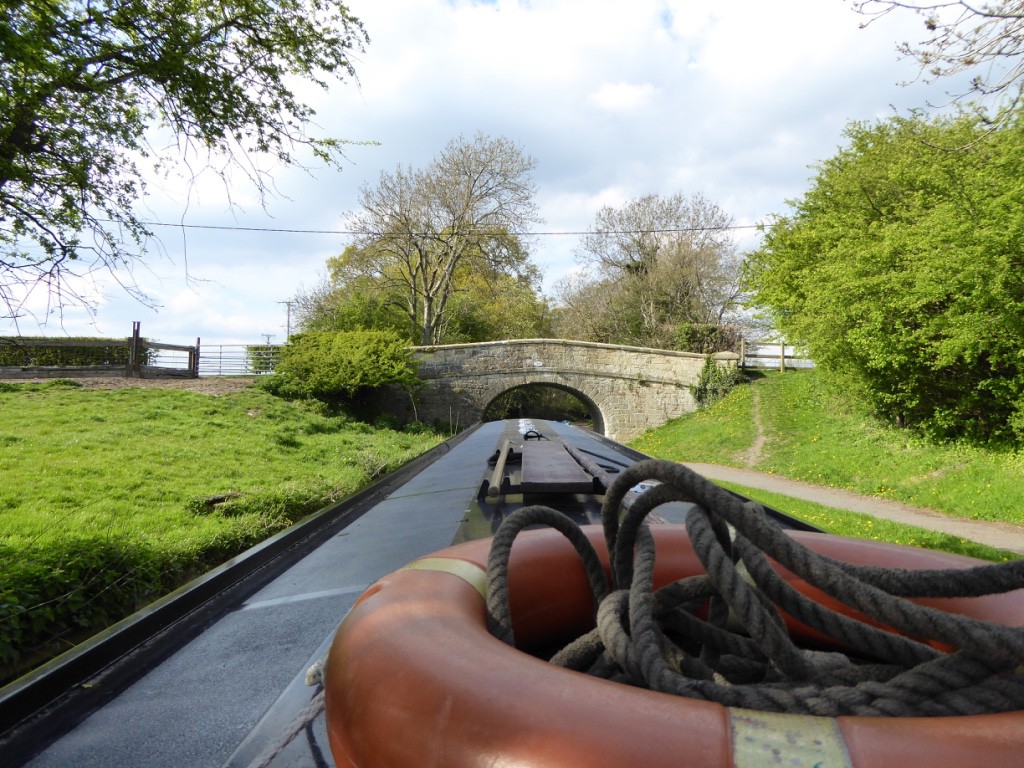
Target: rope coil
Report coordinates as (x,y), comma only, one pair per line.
(741,654)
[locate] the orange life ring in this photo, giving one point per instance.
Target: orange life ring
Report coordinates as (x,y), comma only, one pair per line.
(414,678)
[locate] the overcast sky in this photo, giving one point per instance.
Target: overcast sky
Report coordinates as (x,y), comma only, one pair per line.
(733,99)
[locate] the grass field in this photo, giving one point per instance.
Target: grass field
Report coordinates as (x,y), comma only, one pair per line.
(815,432)
(111,497)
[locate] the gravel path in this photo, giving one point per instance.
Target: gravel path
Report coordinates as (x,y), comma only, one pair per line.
(1000,535)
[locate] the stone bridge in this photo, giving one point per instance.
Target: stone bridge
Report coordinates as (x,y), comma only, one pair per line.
(627,389)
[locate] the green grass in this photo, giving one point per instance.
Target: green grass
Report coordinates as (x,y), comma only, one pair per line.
(820,433)
(105,498)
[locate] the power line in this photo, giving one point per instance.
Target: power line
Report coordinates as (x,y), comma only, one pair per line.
(232,228)
(351,233)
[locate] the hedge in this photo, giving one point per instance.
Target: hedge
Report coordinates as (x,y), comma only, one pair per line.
(41,351)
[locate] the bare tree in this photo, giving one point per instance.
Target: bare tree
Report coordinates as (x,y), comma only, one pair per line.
(587,309)
(961,37)
(415,229)
(652,268)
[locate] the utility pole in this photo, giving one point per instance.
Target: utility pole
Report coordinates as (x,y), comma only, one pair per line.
(288,326)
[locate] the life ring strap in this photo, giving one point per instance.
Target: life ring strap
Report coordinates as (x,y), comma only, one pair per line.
(805,741)
(469,572)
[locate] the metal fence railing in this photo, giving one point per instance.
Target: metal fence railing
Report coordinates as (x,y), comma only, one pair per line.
(238,359)
(774,356)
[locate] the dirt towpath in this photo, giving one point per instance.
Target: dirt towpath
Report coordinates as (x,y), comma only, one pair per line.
(1000,535)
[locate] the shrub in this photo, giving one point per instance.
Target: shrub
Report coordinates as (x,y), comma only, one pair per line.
(329,366)
(714,382)
(706,338)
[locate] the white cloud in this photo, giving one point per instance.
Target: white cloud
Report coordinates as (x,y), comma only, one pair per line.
(733,100)
(623,97)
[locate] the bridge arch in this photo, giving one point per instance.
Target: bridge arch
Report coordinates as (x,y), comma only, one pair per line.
(597,417)
(630,389)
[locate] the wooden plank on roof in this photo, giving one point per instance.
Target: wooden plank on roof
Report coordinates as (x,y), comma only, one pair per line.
(548,468)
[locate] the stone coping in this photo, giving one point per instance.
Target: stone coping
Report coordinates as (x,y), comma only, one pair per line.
(571,343)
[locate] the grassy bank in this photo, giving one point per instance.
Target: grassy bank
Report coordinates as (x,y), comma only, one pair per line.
(812,430)
(113,497)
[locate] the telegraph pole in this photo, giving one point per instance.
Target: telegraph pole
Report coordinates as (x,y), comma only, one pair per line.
(288,326)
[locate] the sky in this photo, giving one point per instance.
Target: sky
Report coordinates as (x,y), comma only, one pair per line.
(731,99)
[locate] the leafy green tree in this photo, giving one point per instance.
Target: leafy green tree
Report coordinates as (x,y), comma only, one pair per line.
(81,84)
(490,307)
(903,266)
(485,306)
(350,303)
(418,229)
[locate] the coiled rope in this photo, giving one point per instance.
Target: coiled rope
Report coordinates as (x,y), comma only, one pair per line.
(741,654)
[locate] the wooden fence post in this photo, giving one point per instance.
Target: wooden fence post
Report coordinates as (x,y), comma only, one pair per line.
(133,351)
(782,355)
(193,361)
